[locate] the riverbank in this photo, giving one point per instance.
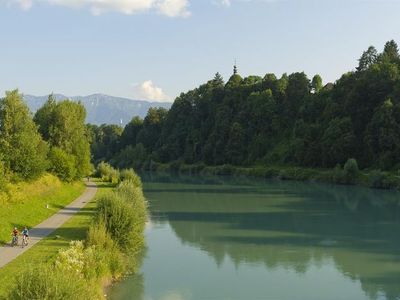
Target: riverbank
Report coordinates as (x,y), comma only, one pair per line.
(47,249)
(339,175)
(106,245)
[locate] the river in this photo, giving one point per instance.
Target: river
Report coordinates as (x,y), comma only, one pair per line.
(221,238)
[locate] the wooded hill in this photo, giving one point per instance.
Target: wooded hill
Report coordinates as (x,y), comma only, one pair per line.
(290,120)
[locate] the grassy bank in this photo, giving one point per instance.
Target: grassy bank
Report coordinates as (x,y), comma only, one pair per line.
(46,251)
(24,204)
(100,244)
(339,175)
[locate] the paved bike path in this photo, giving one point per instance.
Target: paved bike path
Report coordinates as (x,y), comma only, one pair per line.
(8,253)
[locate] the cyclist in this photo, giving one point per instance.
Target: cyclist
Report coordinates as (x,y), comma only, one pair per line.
(14,235)
(25,236)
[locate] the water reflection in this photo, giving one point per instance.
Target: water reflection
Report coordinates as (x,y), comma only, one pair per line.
(287,225)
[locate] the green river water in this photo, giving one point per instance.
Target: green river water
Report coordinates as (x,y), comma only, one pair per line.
(220,238)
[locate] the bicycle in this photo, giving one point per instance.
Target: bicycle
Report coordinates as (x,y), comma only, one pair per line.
(14,241)
(24,241)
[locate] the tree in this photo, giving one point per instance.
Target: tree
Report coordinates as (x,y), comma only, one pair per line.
(338,142)
(235,147)
(391,52)
(290,120)
(63,124)
(382,136)
(218,80)
(152,128)
(368,58)
(24,152)
(234,81)
(62,164)
(44,117)
(131,131)
(297,90)
(316,83)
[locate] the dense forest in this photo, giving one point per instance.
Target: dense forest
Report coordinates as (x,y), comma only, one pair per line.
(252,121)
(54,140)
(290,120)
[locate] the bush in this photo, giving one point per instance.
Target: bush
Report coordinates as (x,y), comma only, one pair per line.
(351,170)
(376,179)
(130,175)
(62,164)
(111,258)
(175,166)
(381,180)
(107,173)
(3,177)
(338,175)
(118,217)
(47,282)
(224,170)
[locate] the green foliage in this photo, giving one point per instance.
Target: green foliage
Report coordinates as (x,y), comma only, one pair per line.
(3,176)
(290,121)
(107,173)
(62,124)
(131,157)
(316,83)
(382,180)
(47,282)
(22,148)
(367,59)
(113,246)
(118,217)
(123,214)
(130,175)
(351,170)
(62,164)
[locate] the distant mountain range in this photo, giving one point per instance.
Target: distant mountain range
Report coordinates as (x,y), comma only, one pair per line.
(103,109)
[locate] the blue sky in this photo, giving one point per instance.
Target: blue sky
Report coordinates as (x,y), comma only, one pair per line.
(155,49)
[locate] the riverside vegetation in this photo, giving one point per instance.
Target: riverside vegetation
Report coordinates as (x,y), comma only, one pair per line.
(112,247)
(42,157)
(53,141)
(287,127)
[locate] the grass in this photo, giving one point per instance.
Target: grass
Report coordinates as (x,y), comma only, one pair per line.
(47,249)
(27,205)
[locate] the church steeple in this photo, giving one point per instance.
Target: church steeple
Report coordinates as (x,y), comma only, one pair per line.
(235,71)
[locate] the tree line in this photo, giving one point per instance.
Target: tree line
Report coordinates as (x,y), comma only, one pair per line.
(54,140)
(255,120)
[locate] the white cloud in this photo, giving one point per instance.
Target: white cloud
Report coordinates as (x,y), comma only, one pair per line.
(147,90)
(24,4)
(174,8)
(170,8)
(226,3)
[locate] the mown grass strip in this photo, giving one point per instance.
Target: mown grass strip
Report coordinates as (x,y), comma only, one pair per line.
(30,200)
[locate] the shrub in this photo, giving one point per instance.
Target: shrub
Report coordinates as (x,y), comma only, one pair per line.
(72,259)
(108,173)
(98,236)
(47,282)
(62,164)
(109,258)
(381,180)
(351,170)
(175,166)
(118,217)
(225,170)
(338,175)
(130,175)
